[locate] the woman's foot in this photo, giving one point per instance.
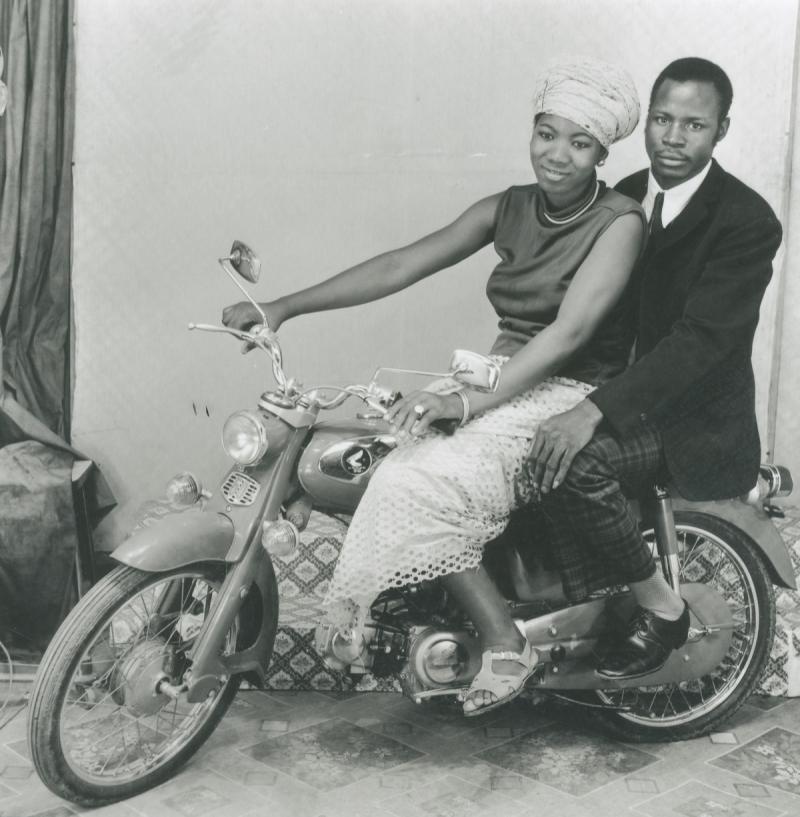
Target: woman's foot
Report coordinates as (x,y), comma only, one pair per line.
(501,678)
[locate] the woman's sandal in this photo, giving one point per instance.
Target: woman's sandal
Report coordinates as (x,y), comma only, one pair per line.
(503,686)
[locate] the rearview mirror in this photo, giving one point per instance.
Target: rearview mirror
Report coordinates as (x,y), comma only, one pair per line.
(245,261)
(476,371)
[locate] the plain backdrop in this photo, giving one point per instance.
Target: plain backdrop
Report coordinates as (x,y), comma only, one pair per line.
(323,132)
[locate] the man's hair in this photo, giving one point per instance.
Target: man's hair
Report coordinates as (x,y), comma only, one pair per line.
(696,69)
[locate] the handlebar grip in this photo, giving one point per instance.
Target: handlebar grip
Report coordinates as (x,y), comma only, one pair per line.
(447,426)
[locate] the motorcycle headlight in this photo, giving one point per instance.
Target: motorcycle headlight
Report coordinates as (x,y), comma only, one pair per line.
(244,437)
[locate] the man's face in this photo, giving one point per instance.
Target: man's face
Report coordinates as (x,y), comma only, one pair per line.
(683,126)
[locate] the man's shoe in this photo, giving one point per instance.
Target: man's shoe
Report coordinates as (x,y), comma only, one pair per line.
(647,645)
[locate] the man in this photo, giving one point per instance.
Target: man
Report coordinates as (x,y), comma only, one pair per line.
(686,406)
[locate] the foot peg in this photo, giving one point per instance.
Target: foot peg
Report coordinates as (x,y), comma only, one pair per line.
(460,693)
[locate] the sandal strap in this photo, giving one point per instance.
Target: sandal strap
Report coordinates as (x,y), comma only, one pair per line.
(486,678)
(502,685)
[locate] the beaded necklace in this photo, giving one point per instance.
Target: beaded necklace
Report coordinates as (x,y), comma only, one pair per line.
(559,220)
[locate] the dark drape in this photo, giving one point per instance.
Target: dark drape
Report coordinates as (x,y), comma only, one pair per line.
(38,525)
(36,139)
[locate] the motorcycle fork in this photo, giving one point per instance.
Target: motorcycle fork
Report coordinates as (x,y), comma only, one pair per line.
(666,537)
(210,668)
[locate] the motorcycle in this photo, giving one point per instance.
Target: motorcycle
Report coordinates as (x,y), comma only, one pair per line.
(145,666)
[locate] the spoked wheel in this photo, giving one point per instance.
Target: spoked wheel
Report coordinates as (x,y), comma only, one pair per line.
(100,726)
(717,554)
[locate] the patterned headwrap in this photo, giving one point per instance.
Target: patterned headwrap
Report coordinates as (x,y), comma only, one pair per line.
(597,96)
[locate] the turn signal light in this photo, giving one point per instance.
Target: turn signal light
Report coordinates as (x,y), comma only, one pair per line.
(773,480)
(184,490)
(280,538)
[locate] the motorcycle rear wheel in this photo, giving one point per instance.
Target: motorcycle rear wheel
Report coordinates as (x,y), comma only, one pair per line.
(715,552)
(98,731)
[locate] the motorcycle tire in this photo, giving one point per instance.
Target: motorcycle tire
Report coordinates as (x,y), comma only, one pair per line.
(81,675)
(714,547)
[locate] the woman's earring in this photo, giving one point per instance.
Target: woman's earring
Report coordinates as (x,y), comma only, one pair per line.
(601,162)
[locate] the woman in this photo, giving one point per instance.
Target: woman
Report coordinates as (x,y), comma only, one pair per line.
(567,246)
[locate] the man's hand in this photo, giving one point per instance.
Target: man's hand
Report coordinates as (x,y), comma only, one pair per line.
(558,439)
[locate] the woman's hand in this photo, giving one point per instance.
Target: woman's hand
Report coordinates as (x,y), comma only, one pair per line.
(414,413)
(244,315)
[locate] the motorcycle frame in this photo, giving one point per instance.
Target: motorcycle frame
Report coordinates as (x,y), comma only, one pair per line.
(230,535)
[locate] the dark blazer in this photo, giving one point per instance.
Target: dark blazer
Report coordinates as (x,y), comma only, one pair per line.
(700,285)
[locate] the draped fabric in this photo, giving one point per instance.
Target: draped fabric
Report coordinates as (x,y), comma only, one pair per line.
(38,539)
(38,533)
(36,139)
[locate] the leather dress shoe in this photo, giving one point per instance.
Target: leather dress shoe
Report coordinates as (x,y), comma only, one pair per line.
(646,646)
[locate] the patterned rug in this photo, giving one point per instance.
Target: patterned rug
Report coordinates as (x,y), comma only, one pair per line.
(782,676)
(303,580)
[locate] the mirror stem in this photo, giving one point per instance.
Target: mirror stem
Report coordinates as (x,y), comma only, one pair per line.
(225,264)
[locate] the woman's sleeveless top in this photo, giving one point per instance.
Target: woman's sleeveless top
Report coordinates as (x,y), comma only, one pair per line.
(539,260)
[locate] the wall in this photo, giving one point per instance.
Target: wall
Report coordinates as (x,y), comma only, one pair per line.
(324,132)
(785,381)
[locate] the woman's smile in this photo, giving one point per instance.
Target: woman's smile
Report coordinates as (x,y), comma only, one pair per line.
(555,175)
(564,157)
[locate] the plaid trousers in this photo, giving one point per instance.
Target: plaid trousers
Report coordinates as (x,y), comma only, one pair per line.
(593,533)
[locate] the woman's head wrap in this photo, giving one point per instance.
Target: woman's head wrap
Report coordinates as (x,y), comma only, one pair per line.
(597,96)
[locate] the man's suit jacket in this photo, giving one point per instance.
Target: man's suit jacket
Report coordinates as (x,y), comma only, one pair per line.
(700,283)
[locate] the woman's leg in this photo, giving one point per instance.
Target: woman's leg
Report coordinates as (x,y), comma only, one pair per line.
(428,512)
(488,611)
(486,608)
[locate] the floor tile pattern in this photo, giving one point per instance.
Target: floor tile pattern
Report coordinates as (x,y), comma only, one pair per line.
(332,754)
(312,754)
(569,760)
(772,759)
(695,799)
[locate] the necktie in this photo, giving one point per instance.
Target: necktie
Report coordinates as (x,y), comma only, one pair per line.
(656,227)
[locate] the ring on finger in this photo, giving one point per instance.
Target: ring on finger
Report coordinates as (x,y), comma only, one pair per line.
(419,410)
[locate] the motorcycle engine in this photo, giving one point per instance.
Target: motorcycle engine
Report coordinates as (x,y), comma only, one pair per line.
(439,659)
(413,634)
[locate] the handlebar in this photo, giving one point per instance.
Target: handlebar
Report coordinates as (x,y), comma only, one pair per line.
(208,327)
(261,337)
(472,370)
(374,396)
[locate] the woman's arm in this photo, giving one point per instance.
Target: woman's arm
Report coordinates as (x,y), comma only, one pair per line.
(382,275)
(597,286)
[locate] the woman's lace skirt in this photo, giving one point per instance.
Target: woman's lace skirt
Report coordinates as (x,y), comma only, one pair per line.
(434,503)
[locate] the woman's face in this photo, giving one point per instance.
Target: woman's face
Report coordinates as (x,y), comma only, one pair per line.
(564,157)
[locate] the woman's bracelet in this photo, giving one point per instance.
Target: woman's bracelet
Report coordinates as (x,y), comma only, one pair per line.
(464,407)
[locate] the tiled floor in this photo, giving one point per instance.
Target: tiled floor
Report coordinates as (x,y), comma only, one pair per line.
(331,754)
(312,754)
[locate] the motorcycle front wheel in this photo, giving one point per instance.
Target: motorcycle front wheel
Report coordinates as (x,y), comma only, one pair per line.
(99,729)
(716,553)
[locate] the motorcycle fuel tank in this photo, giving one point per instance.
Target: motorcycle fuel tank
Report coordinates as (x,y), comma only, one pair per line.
(339,460)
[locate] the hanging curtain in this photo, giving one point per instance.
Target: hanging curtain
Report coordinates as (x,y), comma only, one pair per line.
(36,139)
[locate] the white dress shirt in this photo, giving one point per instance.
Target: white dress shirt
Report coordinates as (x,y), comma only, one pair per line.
(675,199)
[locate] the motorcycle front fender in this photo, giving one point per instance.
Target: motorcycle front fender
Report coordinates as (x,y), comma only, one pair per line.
(755,523)
(178,540)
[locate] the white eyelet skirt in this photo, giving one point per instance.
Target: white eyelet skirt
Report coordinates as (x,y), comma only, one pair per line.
(434,502)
